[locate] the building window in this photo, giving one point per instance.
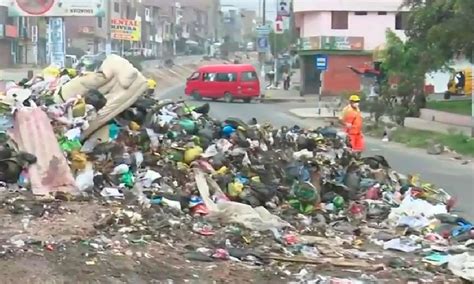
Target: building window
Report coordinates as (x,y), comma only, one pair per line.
(116,7)
(360,13)
(127,12)
(381,13)
(401,21)
(339,20)
(99,22)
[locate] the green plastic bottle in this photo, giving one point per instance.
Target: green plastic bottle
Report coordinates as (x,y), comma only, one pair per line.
(338,202)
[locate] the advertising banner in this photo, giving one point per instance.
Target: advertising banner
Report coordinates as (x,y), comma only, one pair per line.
(56,42)
(342,43)
(332,43)
(124,29)
(56,8)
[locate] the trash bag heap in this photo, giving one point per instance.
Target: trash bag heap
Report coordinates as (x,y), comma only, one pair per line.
(275,195)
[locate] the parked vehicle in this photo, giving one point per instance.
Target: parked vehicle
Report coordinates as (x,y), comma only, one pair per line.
(227,81)
(71,61)
(460,84)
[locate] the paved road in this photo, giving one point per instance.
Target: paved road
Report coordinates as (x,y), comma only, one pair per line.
(448,174)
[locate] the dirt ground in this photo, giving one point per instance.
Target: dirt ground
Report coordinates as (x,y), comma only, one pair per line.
(61,242)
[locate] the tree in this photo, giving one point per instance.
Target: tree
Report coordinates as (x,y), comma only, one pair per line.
(441,29)
(282,43)
(437,31)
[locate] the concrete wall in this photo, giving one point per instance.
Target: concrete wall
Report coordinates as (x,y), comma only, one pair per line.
(346,5)
(371,26)
(338,78)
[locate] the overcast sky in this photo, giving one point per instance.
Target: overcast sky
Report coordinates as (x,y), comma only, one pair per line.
(252,5)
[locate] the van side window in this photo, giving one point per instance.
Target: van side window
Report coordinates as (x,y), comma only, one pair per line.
(249,76)
(209,77)
(226,77)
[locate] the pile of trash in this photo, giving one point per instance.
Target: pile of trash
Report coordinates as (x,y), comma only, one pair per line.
(287,198)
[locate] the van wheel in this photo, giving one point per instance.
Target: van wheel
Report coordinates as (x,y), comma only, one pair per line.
(228,98)
(196,96)
(247,101)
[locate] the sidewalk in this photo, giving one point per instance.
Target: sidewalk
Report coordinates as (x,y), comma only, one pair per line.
(434,126)
(280,95)
(15,74)
(410,122)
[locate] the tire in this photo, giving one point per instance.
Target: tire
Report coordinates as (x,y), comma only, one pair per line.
(247,101)
(228,98)
(447,95)
(196,96)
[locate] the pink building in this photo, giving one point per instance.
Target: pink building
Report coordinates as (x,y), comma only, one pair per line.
(346,32)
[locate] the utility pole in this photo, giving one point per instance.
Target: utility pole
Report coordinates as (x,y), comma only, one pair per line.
(108,23)
(261,55)
(275,55)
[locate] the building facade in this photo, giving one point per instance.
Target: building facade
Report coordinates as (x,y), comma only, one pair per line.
(249,23)
(346,32)
(232,23)
(167,27)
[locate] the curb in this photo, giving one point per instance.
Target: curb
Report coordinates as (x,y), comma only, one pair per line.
(294,112)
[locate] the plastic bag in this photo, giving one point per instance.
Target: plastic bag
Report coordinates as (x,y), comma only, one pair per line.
(258,219)
(127,179)
(85,178)
(462,265)
(68,146)
(96,99)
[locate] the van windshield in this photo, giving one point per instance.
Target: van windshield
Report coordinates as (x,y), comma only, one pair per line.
(194,76)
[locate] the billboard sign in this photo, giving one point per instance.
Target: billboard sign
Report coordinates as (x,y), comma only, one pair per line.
(56,8)
(332,43)
(124,29)
(342,43)
(283,8)
(262,30)
(56,42)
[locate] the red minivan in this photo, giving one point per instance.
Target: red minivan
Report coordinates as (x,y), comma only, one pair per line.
(228,81)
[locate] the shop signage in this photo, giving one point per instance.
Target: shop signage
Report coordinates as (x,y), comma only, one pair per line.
(124,29)
(56,8)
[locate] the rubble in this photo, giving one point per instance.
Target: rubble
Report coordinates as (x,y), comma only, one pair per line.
(160,175)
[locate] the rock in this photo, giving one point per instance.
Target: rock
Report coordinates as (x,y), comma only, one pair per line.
(435,149)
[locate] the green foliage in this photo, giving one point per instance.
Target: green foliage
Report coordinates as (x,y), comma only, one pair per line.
(463,107)
(437,31)
(441,29)
(282,42)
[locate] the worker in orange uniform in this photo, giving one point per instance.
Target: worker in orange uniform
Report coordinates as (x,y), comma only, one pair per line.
(351,119)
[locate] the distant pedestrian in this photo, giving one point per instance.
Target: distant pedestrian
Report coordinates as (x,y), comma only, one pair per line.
(286,80)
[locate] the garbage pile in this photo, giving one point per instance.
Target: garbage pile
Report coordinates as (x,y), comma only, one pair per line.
(296,200)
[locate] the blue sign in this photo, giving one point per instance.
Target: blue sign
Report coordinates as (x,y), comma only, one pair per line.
(321,61)
(262,44)
(263,30)
(56,41)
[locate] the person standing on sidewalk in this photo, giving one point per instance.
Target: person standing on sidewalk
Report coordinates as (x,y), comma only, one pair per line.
(285,80)
(351,119)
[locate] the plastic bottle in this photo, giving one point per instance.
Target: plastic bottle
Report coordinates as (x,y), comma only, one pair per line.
(338,202)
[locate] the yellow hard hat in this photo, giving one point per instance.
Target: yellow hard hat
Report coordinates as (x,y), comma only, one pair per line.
(354,98)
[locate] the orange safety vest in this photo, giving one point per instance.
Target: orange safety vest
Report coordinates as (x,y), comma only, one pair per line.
(354,117)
